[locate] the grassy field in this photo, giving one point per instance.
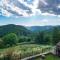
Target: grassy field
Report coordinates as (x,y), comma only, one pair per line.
(25,50)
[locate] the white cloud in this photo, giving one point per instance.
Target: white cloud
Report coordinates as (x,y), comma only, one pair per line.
(47,22)
(36,23)
(19,11)
(6,13)
(58,6)
(59,16)
(12,7)
(48,14)
(32,6)
(41,22)
(43,1)
(8,4)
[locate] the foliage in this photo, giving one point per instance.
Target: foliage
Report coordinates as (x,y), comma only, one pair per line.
(1,43)
(41,39)
(25,50)
(56,35)
(10,39)
(24,39)
(11,28)
(18,34)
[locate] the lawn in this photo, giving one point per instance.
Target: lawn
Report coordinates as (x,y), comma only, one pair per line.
(25,50)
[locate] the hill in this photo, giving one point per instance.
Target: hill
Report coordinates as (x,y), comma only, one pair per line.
(11,28)
(40,28)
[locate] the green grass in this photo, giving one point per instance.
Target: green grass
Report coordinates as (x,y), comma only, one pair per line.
(50,57)
(26,50)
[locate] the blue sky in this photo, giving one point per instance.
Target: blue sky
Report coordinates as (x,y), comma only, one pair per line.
(31,21)
(30,12)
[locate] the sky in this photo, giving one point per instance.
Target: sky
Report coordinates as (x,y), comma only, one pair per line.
(30,12)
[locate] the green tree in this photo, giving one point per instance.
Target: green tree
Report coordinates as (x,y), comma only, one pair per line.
(24,39)
(10,39)
(47,40)
(21,39)
(40,38)
(1,43)
(56,35)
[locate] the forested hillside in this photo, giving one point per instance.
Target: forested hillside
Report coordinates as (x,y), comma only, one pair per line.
(11,28)
(12,34)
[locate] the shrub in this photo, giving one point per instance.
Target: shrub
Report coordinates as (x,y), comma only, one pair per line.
(1,43)
(10,39)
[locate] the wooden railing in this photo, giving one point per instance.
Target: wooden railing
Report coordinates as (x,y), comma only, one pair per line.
(35,56)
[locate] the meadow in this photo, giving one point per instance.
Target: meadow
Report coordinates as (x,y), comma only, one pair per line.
(22,51)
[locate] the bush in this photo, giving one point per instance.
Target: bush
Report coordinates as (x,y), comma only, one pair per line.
(10,39)
(1,43)
(24,39)
(21,39)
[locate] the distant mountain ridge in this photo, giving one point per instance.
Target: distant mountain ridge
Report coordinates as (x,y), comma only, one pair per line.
(23,30)
(11,28)
(41,28)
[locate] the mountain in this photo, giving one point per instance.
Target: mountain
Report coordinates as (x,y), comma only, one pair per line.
(11,28)
(40,28)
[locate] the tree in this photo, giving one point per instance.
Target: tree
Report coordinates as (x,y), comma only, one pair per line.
(47,40)
(40,38)
(1,43)
(24,39)
(21,39)
(10,39)
(56,35)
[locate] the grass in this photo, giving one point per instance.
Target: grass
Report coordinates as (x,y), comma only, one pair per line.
(50,57)
(25,50)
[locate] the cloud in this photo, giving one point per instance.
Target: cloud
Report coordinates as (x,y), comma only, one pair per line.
(6,13)
(45,22)
(29,7)
(48,14)
(58,6)
(50,6)
(44,2)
